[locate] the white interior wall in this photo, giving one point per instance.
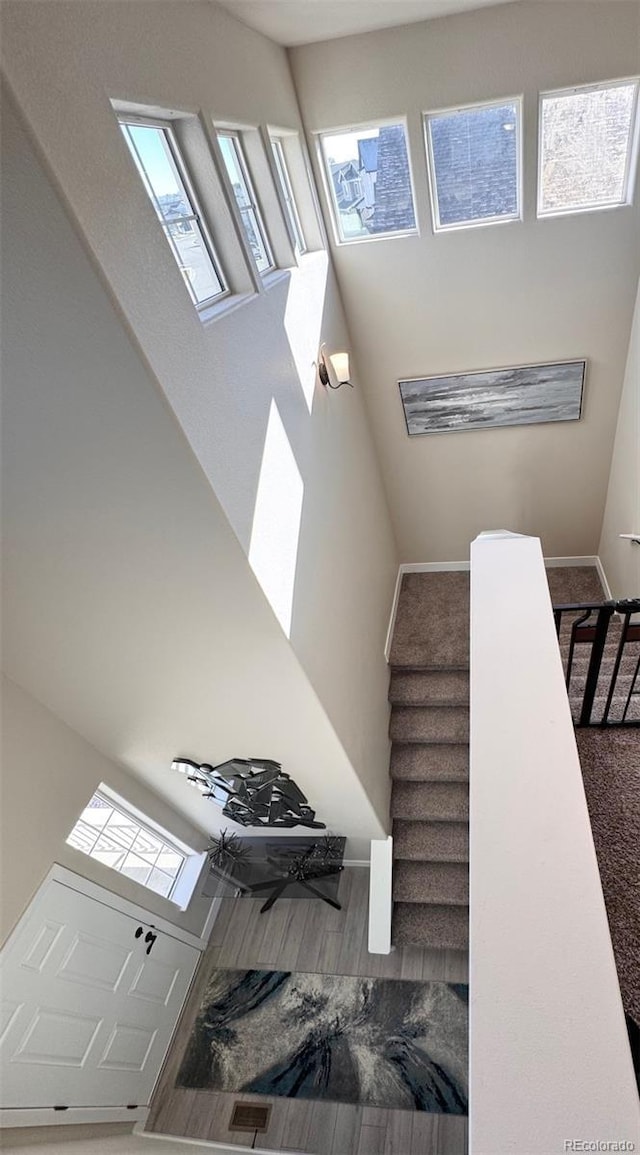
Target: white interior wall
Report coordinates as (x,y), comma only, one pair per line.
(130,610)
(49,773)
(65,62)
(620,558)
(509,294)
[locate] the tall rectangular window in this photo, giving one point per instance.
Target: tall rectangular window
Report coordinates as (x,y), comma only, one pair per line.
(369,181)
(288,199)
(474,164)
(246,200)
(112,834)
(155,152)
(586,147)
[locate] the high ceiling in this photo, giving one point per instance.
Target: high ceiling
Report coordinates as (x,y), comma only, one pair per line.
(304,21)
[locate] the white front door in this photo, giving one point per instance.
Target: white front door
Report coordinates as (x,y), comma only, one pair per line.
(90,997)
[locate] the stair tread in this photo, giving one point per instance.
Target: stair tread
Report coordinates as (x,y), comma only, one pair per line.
(430,724)
(430,801)
(429,687)
(431,841)
(439,883)
(430,762)
(430,925)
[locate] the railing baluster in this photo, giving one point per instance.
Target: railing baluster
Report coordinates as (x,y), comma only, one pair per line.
(631,690)
(595,662)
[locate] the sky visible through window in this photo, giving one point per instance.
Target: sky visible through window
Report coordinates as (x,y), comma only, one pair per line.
(585,142)
(149,147)
(474,154)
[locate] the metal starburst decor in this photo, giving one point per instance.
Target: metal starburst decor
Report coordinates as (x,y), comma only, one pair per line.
(227,851)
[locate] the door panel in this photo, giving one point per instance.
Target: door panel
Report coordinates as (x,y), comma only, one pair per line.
(90,1000)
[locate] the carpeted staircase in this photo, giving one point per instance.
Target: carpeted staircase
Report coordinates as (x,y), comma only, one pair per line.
(429,695)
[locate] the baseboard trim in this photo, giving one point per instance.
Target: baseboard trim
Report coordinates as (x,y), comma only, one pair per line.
(576,562)
(209,921)
(603,578)
(48,1116)
(465,566)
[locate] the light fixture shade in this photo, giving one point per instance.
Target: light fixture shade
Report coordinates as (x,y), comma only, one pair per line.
(340,366)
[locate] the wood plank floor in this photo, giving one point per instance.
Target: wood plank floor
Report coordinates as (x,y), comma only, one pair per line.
(307,936)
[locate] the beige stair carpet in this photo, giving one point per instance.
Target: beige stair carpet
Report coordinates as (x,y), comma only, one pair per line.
(429,728)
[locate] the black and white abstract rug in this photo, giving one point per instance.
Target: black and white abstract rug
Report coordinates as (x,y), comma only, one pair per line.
(376,1042)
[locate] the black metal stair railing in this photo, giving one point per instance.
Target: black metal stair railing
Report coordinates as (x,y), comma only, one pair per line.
(612,630)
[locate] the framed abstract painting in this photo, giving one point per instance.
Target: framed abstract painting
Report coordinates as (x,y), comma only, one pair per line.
(489,398)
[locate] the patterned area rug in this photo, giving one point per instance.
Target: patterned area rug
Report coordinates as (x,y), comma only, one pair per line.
(375,1042)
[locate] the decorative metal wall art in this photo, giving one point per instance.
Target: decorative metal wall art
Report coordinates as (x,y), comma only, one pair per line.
(252,792)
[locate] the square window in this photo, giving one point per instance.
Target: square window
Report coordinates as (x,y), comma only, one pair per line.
(155,153)
(369,181)
(586,147)
(474,164)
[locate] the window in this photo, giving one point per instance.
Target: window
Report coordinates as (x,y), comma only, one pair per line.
(586,147)
(238,173)
(369,181)
(109,831)
(288,199)
(154,150)
(474,164)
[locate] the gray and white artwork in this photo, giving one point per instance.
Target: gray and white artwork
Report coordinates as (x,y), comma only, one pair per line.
(375,1042)
(492,397)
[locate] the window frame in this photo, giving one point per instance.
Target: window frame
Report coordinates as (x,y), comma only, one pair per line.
(184,881)
(286,195)
(235,135)
(329,190)
(484,222)
(631,159)
(197,215)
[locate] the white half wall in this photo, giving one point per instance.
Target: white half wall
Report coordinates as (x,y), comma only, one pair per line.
(621,558)
(549,1053)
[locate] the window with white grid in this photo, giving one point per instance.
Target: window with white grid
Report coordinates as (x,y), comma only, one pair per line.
(111,834)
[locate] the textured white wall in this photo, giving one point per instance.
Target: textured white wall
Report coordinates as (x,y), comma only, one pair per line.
(64,62)
(505,295)
(621,559)
(130,610)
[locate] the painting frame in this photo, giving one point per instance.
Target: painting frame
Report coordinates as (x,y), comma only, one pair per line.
(515,378)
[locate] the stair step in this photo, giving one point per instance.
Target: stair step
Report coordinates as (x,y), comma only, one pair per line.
(444,927)
(442,883)
(430,724)
(413,762)
(430,801)
(429,687)
(431,841)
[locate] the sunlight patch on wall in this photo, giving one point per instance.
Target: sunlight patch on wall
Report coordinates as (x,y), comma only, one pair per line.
(273,550)
(303,318)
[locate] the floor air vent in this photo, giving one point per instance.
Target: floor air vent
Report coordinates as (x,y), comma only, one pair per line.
(249,1117)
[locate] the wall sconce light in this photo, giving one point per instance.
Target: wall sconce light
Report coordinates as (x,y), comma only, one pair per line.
(339,363)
